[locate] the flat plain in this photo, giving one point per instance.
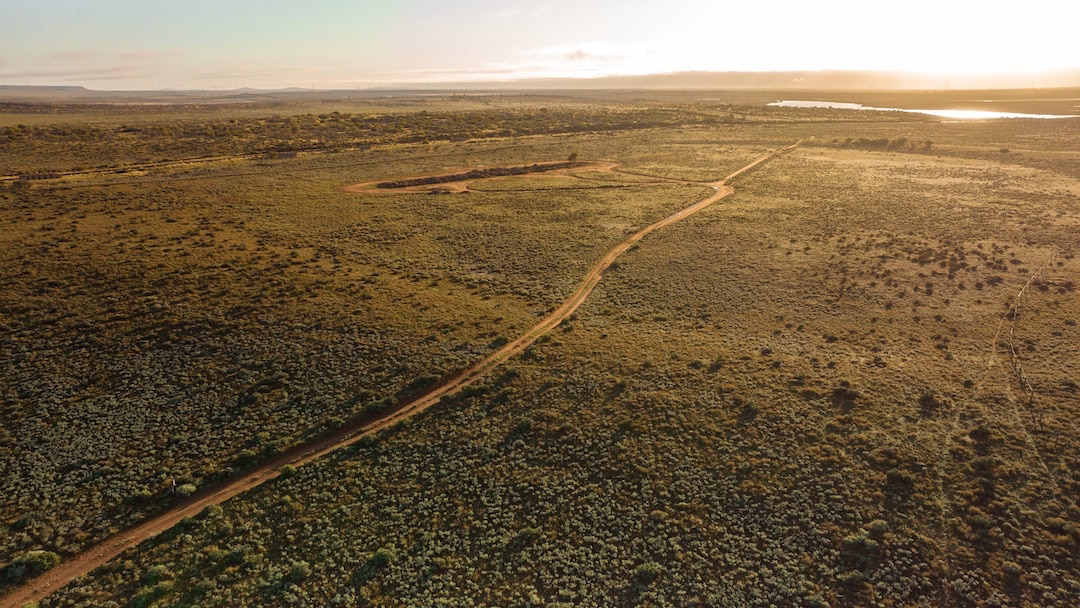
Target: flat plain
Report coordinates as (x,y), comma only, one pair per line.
(852,382)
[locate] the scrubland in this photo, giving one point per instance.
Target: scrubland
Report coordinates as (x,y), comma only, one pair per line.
(853,382)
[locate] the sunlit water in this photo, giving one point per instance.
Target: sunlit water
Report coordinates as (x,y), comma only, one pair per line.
(959,114)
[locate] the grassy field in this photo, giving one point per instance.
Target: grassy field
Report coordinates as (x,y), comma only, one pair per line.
(853,382)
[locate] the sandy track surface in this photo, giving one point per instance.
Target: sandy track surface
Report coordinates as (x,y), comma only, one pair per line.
(97,555)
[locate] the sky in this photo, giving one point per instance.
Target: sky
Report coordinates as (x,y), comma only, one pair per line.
(187,44)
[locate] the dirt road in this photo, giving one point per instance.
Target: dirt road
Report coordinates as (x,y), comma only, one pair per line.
(81,564)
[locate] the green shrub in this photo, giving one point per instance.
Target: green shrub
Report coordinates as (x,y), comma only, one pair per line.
(648,572)
(859,543)
(156,574)
(520,429)
(375,564)
(381,558)
(1012,569)
(852,579)
(31,563)
(298,572)
(877,528)
(147,597)
(899,481)
(524,537)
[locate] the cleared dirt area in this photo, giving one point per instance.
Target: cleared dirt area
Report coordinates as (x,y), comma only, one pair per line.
(459,180)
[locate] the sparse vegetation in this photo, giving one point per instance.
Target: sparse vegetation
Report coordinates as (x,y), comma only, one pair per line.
(807,395)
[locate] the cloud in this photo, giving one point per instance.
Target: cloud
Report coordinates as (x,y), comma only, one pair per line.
(90,64)
(513,13)
(119,72)
(592,51)
(71,56)
(444,72)
(110,77)
(83,56)
(584,60)
(587,59)
(240,72)
(152,54)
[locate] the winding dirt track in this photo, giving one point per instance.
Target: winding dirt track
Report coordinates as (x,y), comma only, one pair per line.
(81,564)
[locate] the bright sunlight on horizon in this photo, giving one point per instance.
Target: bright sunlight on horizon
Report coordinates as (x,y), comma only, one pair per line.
(122,44)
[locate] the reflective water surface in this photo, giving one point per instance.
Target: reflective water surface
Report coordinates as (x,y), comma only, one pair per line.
(961,114)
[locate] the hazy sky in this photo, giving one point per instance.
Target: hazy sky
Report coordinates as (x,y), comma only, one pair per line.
(127,44)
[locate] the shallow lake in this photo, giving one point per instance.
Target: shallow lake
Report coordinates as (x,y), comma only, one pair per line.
(961,114)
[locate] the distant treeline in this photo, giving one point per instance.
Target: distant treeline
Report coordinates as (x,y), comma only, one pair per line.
(476,174)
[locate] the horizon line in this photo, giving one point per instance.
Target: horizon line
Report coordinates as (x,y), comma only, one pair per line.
(800,79)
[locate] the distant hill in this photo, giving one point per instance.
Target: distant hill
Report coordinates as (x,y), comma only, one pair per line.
(17,87)
(44,93)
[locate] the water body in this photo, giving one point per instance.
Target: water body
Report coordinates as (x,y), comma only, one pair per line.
(959,114)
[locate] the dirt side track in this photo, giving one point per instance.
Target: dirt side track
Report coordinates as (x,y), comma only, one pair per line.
(96,556)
